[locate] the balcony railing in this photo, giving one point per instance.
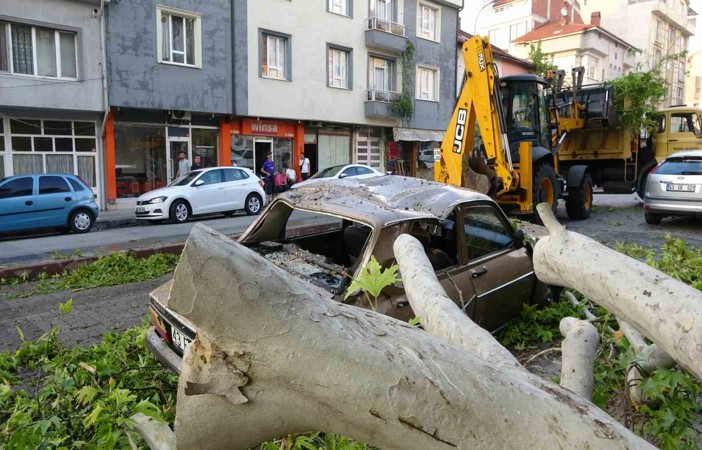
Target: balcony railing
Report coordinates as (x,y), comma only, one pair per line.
(376,95)
(376,23)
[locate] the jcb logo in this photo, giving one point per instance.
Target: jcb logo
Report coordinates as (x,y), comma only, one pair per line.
(460,131)
(481,60)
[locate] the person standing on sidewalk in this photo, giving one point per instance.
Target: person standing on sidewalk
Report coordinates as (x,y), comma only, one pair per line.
(304,166)
(196,164)
(268,169)
(183,165)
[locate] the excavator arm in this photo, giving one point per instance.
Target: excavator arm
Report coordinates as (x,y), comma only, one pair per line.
(479,100)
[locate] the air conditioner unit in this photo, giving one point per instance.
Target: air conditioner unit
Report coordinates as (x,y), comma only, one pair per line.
(179,116)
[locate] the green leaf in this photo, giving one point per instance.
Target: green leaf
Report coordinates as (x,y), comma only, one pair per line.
(122,396)
(372,279)
(92,418)
(149,409)
(86,394)
(67,307)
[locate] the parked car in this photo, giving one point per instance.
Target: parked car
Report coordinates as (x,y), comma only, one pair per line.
(674,187)
(30,202)
(427,158)
(481,261)
(339,172)
(243,158)
(204,191)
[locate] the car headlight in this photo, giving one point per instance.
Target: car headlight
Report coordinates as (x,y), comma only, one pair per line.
(156,200)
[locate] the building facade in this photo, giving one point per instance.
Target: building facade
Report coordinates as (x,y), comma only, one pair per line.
(52,96)
(658,28)
(603,55)
(170,87)
(693,83)
(327,79)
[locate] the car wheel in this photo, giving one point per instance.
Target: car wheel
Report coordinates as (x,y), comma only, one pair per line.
(579,201)
(81,221)
(545,188)
(653,219)
(253,204)
(180,212)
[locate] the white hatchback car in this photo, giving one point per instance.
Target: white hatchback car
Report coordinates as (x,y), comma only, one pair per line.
(204,191)
(338,172)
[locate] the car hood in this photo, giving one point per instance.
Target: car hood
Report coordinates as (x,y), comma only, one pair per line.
(166,191)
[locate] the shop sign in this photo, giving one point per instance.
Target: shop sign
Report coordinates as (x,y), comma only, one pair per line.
(264,128)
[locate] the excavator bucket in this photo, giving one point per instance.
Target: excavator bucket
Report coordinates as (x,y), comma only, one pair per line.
(477,175)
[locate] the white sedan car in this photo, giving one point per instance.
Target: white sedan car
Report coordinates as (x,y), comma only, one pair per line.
(204,191)
(338,172)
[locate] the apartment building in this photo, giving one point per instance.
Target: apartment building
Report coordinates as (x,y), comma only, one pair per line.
(52,98)
(658,28)
(505,20)
(604,55)
(170,87)
(326,78)
(693,82)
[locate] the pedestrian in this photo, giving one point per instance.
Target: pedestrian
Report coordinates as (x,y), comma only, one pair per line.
(268,170)
(196,164)
(281,182)
(183,165)
(304,166)
(290,175)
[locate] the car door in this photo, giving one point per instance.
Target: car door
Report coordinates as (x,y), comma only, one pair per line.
(210,195)
(235,182)
(348,172)
(54,201)
(501,270)
(18,204)
(364,172)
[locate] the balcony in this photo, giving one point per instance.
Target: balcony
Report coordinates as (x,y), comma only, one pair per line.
(672,15)
(385,35)
(381,104)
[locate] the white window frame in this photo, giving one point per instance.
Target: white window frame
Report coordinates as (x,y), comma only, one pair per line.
(387,12)
(280,43)
(423,84)
(339,79)
(388,67)
(593,64)
(197,35)
(340,7)
(35,67)
(424,24)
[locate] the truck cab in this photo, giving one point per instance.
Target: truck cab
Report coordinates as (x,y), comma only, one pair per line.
(678,129)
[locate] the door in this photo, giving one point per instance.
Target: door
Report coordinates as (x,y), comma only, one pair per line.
(54,201)
(211,195)
(18,204)
(235,183)
(684,132)
(261,150)
(176,146)
(502,274)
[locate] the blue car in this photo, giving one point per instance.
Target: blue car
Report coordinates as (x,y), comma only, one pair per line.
(46,201)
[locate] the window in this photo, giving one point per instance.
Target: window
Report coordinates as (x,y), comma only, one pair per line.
(20,187)
(350,172)
(517,30)
(343,7)
(179,37)
(37,51)
(211,177)
(363,171)
(381,75)
(485,231)
(52,185)
(492,34)
(685,123)
(687,165)
(427,83)
(592,69)
(76,185)
(275,56)
(339,70)
(428,21)
(384,10)
(234,175)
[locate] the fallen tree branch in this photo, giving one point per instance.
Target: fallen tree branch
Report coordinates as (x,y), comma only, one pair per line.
(578,361)
(542,353)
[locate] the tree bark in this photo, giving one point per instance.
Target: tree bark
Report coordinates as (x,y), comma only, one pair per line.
(273,357)
(578,350)
(663,309)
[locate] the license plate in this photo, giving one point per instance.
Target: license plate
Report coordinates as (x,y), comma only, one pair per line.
(140,210)
(179,339)
(681,187)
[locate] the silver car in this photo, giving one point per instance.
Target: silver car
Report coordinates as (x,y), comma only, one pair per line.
(674,187)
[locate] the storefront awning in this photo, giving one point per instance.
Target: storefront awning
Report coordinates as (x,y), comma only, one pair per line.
(412,134)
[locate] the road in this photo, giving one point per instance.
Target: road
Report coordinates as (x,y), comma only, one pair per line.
(615,218)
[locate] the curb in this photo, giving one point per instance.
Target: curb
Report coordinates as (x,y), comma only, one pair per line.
(116,223)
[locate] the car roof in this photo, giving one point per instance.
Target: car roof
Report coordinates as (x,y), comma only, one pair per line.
(380,201)
(686,153)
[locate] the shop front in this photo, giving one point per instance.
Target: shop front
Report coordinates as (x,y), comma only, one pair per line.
(143,150)
(412,152)
(251,140)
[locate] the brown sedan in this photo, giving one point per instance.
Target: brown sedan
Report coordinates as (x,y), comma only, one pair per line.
(480,260)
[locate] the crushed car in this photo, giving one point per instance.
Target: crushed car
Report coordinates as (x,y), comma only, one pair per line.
(480,259)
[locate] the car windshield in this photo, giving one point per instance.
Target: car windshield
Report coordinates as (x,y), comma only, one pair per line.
(185,179)
(690,165)
(328,172)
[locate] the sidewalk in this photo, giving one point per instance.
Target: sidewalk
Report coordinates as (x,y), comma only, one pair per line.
(116,218)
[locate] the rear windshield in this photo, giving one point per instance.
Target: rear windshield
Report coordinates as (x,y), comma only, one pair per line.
(681,166)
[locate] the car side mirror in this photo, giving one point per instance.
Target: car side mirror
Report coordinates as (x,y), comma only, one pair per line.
(519,238)
(343,175)
(199,183)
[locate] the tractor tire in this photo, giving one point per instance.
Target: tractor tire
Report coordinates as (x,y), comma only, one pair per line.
(545,189)
(579,201)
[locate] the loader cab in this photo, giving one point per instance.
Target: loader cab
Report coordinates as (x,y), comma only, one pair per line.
(677,129)
(526,112)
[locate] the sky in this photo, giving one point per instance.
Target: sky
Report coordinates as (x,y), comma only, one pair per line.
(473,6)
